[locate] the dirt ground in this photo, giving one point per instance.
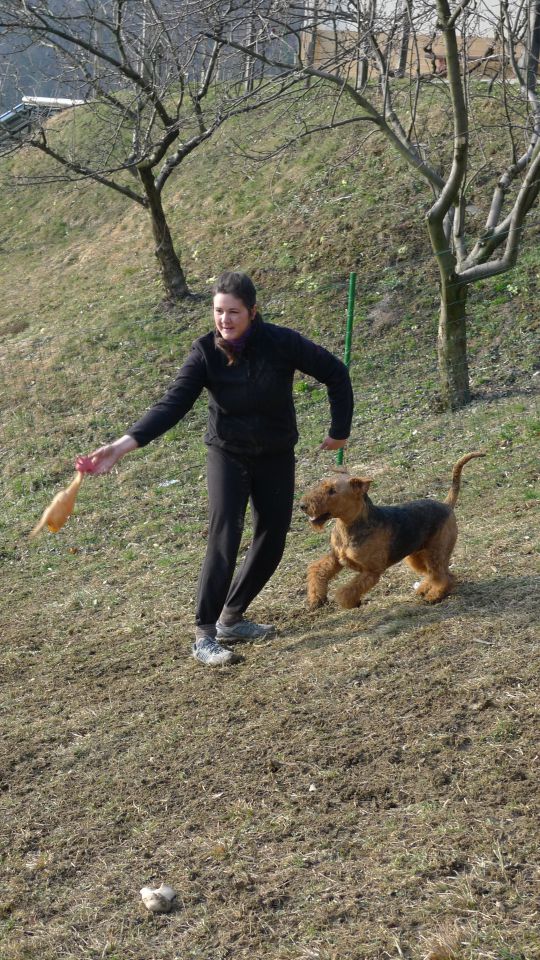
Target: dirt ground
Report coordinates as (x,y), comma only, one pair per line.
(363,785)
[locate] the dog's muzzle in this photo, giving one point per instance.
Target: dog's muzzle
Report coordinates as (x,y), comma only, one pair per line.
(317,521)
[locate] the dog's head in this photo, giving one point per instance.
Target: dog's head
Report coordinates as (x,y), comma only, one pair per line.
(342,497)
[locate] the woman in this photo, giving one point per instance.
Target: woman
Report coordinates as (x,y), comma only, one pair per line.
(247,367)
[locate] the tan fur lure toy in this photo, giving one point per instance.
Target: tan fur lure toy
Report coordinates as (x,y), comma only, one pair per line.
(62,505)
(60,508)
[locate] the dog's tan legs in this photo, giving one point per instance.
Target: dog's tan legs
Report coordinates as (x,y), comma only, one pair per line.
(351,594)
(417,561)
(433,561)
(440,588)
(318,577)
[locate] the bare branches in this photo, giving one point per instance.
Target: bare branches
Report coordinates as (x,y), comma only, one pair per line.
(452,20)
(418,71)
(450,194)
(82,172)
(154,88)
(160,77)
(334,73)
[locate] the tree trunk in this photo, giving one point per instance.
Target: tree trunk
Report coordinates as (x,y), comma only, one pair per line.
(312,43)
(174,279)
(404,44)
(452,344)
(534,27)
(249,63)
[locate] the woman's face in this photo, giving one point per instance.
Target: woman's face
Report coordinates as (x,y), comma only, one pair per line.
(231,316)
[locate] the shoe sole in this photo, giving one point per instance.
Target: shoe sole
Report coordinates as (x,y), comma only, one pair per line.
(232,639)
(214,663)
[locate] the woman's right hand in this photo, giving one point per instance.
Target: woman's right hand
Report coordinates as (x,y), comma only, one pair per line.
(104,458)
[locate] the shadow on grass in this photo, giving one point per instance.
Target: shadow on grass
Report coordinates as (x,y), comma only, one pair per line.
(517,597)
(504,392)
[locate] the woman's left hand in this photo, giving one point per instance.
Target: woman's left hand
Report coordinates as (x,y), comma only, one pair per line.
(330,444)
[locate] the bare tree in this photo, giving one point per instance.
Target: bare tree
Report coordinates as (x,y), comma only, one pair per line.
(155,90)
(404,49)
(400,69)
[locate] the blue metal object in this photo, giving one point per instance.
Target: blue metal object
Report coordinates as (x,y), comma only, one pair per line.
(16,120)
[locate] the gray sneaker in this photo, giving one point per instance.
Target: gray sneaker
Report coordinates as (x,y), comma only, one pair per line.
(209,651)
(244,630)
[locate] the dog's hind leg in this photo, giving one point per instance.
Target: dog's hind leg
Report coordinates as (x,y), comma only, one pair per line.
(318,577)
(435,558)
(417,562)
(351,594)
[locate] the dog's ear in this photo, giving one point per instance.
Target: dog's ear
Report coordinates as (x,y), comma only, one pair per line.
(360,484)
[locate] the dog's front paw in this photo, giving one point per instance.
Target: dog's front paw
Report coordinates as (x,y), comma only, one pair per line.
(315,602)
(347,599)
(435,595)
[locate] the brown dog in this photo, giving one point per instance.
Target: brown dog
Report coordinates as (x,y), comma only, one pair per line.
(369,539)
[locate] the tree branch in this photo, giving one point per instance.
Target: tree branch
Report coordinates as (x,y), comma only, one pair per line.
(406,150)
(43,26)
(85,172)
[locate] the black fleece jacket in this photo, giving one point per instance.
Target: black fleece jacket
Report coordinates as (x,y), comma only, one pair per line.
(251,409)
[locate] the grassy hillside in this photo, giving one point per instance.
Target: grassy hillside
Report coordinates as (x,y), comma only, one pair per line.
(361,786)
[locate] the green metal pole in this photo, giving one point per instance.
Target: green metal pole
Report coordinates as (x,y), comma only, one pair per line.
(348,339)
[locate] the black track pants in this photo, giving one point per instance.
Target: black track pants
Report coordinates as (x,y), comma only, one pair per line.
(268,483)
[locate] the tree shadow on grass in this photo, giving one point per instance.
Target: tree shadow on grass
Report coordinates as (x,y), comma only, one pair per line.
(519,596)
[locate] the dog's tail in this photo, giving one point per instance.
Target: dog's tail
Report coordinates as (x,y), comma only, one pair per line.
(451,499)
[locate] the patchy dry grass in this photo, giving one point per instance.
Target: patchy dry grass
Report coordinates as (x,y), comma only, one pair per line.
(365,784)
